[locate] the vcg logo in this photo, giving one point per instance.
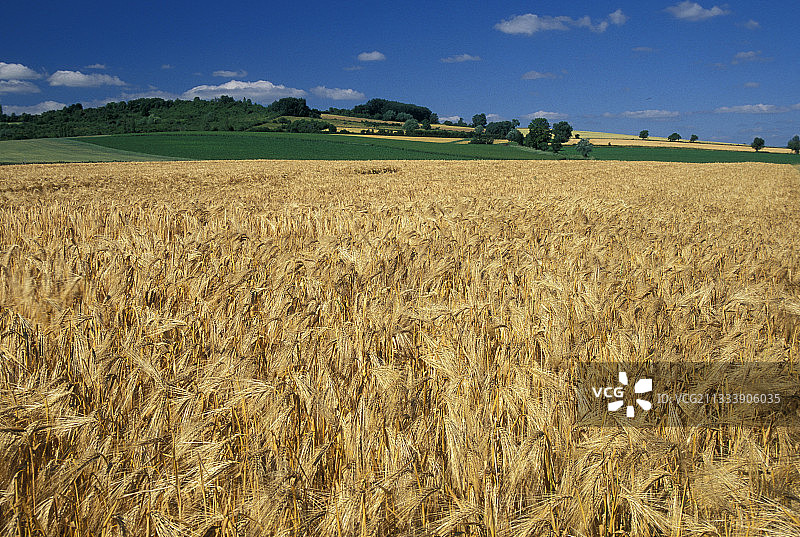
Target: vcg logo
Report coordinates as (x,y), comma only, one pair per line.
(609,392)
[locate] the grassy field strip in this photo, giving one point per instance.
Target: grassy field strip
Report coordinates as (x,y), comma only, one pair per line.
(67,150)
(432,139)
(276,145)
(612,136)
(359,123)
(715,146)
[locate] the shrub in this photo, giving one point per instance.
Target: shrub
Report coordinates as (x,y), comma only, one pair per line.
(794,144)
(482,139)
(584,147)
(410,125)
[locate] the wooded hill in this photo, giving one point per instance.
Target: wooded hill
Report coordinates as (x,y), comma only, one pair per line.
(162,115)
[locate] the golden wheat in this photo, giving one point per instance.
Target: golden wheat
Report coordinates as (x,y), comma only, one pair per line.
(378,348)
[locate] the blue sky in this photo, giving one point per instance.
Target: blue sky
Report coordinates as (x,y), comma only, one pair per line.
(724,71)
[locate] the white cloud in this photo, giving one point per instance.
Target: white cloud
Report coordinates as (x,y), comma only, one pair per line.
(493,117)
(76,79)
(337,94)
(261,90)
(649,114)
(530,23)
(751,109)
(749,56)
(353,68)
(34,109)
(373,56)
(552,116)
(643,49)
(96,66)
(752,25)
(17,71)
(536,75)
(752,85)
(618,17)
(459,58)
(167,66)
(694,12)
(18,86)
(454,119)
(229,74)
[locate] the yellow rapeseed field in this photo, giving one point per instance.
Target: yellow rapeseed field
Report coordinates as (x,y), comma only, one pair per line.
(387,348)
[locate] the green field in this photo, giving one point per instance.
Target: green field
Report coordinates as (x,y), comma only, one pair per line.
(66,150)
(288,146)
(279,145)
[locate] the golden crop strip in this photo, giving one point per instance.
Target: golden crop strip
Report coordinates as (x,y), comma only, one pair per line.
(383,347)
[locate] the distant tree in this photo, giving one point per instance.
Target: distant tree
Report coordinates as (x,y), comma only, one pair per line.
(332,128)
(479,129)
(674,137)
(461,122)
(644,134)
(389,115)
(758,143)
(500,129)
(434,119)
(794,144)
(514,135)
(309,125)
(426,124)
(375,108)
(584,147)
(539,134)
(578,136)
(448,123)
(403,116)
(562,132)
(288,106)
(410,126)
(693,138)
(479,119)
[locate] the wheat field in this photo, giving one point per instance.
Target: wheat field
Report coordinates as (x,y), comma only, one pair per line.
(378,348)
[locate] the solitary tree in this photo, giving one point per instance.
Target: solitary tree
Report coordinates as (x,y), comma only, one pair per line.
(584,147)
(410,126)
(758,143)
(794,144)
(539,134)
(674,137)
(693,138)
(644,134)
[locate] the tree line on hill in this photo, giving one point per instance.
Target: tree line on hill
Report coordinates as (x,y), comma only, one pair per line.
(227,114)
(138,115)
